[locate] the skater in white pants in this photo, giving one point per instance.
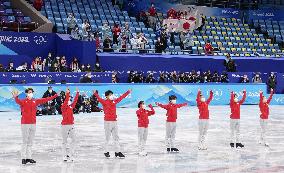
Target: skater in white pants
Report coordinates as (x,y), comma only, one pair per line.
(171,122)
(28,121)
(143,122)
(264,109)
(235,116)
(68,129)
(203,123)
(110,123)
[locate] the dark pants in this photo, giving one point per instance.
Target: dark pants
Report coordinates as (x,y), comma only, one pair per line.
(69,30)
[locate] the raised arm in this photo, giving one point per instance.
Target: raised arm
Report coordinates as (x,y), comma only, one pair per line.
(210,97)
(198,97)
(232,97)
(122,96)
(67,97)
(96,94)
(181,105)
(15,95)
(162,106)
(44,100)
(152,111)
(244,97)
(75,100)
(270,97)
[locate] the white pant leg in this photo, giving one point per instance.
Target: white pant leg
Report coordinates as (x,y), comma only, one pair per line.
(114,133)
(168,135)
(68,131)
(232,126)
(28,132)
(237,126)
(72,135)
(141,132)
(145,137)
(107,127)
(173,134)
(263,127)
(25,131)
(205,124)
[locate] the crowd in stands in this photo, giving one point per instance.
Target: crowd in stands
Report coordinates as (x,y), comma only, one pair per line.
(52,64)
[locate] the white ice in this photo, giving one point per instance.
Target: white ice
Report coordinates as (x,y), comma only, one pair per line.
(90,133)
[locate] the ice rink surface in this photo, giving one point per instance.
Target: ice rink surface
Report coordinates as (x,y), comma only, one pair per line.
(218,158)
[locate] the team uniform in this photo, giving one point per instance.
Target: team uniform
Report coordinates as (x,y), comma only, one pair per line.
(171,124)
(67,126)
(235,119)
(203,118)
(28,123)
(143,122)
(264,114)
(110,120)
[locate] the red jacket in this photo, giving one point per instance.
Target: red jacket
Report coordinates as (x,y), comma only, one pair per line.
(203,106)
(235,106)
(109,106)
(29,108)
(152,11)
(143,114)
(208,48)
(264,107)
(116,31)
(171,110)
(67,111)
(38,4)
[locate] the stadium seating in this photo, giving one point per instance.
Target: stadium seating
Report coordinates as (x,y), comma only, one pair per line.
(13,19)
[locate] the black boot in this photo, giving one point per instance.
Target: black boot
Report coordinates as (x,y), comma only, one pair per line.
(168,149)
(31,161)
(24,161)
(107,154)
(232,145)
(120,155)
(239,145)
(174,150)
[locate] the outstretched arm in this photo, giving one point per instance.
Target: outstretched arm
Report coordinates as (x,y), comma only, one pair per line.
(162,106)
(270,97)
(181,105)
(75,99)
(210,97)
(152,111)
(67,97)
(96,94)
(244,97)
(15,95)
(122,96)
(44,100)
(198,97)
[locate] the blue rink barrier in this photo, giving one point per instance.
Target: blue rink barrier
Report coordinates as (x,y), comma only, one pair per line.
(150,93)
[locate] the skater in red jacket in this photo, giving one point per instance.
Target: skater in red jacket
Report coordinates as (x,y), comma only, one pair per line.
(171,122)
(202,105)
(143,122)
(264,113)
(110,124)
(28,121)
(235,105)
(68,129)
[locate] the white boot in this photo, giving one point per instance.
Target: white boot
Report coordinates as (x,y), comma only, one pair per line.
(143,153)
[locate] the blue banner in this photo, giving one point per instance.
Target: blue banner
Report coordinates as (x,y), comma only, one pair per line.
(41,77)
(266,14)
(146,92)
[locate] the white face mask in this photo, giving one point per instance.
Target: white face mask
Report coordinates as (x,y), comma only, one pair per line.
(202,99)
(173,101)
(69,102)
(264,100)
(144,106)
(30,95)
(236,100)
(111,97)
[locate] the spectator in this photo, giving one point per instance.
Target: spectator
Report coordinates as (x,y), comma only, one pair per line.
(75,33)
(123,43)
(186,41)
(38,4)
(71,23)
(229,63)
(215,77)
(224,78)
(105,30)
(10,67)
(107,45)
(23,67)
(271,83)
(75,67)
(88,68)
(172,13)
(83,68)
(245,79)
(63,65)
(164,39)
(2,68)
(116,32)
(126,31)
(98,67)
(55,68)
(114,77)
(86,29)
(143,18)
(98,43)
(49,61)
(162,78)
(49,107)
(257,78)
(134,43)
(208,48)
(152,16)
(142,41)
(159,47)
(38,65)
(87,78)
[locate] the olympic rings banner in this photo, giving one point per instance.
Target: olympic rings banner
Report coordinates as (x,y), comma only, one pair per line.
(147,92)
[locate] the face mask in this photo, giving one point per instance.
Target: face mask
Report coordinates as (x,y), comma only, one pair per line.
(69,102)
(236,100)
(111,97)
(202,99)
(50,91)
(30,95)
(97,65)
(173,101)
(144,106)
(264,100)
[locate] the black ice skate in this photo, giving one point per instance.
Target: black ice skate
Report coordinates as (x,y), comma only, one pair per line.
(239,145)
(24,161)
(232,145)
(30,161)
(119,155)
(168,149)
(107,155)
(174,150)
